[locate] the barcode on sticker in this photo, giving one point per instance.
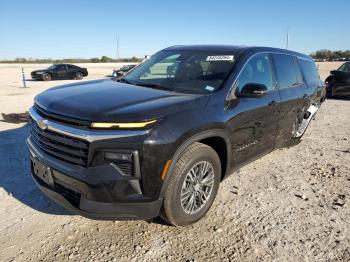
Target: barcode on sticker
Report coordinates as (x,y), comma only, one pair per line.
(220,58)
(209,88)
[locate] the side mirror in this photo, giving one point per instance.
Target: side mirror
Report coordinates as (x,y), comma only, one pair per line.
(253,90)
(332,72)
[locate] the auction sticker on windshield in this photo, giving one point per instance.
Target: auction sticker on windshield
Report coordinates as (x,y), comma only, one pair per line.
(220,58)
(209,88)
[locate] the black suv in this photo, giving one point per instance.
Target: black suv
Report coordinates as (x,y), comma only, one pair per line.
(338,82)
(161,139)
(60,71)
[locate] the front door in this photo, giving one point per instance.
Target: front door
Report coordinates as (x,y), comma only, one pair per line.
(61,72)
(253,120)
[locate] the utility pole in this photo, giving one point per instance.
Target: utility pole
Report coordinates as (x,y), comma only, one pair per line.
(287,42)
(117,40)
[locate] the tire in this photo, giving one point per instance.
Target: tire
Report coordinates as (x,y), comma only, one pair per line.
(78,75)
(181,213)
(329,94)
(47,77)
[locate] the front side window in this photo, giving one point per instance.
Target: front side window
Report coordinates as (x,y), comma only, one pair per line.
(286,71)
(60,67)
(184,71)
(258,70)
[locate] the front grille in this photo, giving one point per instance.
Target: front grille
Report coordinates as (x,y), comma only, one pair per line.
(63,119)
(72,196)
(63,147)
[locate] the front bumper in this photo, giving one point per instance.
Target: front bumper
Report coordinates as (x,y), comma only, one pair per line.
(96,192)
(37,76)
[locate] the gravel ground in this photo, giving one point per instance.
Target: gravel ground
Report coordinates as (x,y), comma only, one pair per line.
(291,205)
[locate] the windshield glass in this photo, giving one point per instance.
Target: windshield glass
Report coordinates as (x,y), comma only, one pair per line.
(344,67)
(52,67)
(183,71)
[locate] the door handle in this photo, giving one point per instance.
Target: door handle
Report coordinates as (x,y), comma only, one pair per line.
(272,103)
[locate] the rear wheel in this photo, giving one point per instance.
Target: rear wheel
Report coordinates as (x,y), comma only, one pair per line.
(193,185)
(47,77)
(78,75)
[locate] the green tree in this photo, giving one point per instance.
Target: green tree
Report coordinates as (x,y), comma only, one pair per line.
(95,60)
(106,59)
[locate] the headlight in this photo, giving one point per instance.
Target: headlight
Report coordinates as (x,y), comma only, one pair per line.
(135,125)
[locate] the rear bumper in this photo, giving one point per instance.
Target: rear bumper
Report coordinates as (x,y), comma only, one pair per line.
(96,193)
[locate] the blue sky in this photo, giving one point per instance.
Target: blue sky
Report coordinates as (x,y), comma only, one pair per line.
(62,28)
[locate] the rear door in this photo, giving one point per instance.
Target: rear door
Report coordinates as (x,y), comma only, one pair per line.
(316,87)
(295,96)
(253,120)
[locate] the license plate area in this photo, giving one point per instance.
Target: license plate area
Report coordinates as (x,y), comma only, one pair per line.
(42,171)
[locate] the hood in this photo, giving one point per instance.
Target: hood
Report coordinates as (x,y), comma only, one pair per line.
(108,100)
(40,70)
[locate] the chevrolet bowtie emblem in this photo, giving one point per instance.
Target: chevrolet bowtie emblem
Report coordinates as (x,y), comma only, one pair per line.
(43,124)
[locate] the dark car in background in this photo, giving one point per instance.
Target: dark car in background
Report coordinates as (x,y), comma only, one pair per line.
(161,139)
(338,82)
(123,70)
(59,72)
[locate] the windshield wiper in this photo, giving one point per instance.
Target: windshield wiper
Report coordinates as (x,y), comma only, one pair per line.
(123,80)
(156,86)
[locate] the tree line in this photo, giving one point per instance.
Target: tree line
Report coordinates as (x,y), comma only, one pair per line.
(320,55)
(103,59)
(328,55)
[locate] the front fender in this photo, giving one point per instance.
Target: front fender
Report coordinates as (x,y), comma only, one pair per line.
(184,142)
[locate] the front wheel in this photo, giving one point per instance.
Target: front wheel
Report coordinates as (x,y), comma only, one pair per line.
(46,77)
(78,75)
(329,93)
(193,185)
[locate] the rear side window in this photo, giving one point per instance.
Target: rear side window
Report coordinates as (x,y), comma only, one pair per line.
(310,71)
(288,74)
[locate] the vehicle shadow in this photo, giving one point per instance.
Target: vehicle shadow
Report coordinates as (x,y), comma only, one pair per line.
(15,176)
(340,98)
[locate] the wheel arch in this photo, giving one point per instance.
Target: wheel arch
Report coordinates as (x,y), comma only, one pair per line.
(216,139)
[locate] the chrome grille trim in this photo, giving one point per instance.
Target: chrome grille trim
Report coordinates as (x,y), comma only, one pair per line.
(87,135)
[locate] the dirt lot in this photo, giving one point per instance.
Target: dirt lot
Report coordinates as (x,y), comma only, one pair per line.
(291,205)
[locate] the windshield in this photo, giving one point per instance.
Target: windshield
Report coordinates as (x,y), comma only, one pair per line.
(344,67)
(183,71)
(52,67)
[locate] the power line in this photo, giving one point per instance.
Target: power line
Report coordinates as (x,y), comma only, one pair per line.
(117,40)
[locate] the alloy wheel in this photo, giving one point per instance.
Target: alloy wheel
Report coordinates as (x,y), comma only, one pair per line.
(197,187)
